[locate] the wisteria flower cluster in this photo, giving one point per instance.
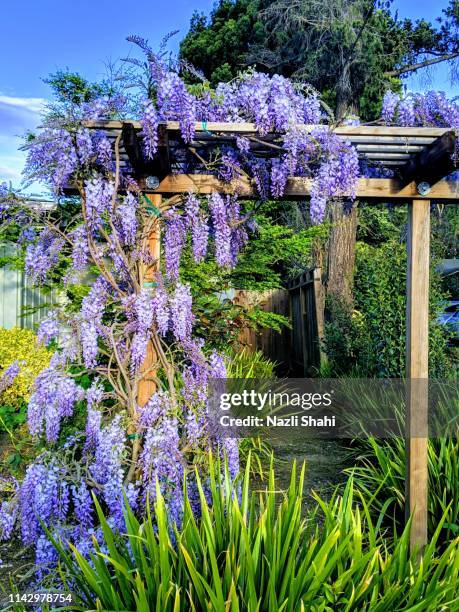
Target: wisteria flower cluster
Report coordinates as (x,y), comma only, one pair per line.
(226,226)
(125,450)
(274,105)
(432,108)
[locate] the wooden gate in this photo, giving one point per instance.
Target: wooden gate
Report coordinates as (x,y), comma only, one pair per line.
(307,308)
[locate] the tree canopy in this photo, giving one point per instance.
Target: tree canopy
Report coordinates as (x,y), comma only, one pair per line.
(350,50)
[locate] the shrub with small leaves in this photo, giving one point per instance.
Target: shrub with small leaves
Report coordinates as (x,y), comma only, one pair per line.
(21,345)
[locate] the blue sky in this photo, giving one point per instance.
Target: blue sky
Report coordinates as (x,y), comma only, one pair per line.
(39,37)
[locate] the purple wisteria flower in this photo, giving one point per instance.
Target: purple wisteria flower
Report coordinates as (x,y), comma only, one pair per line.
(174,241)
(52,158)
(177,104)
(150,121)
(98,200)
(127,212)
(161,309)
(43,256)
(9,375)
(162,461)
(389,107)
(80,249)
(140,312)
(39,499)
(91,327)
(181,312)
(197,220)
(84,507)
(107,468)
(222,231)
(8,516)
(155,409)
(54,398)
(104,152)
(49,328)
(85,147)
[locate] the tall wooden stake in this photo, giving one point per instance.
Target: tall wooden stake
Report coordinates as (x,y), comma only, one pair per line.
(147,385)
(417,368)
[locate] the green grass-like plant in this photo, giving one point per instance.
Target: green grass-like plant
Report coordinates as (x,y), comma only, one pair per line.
(262,551)
(381,475)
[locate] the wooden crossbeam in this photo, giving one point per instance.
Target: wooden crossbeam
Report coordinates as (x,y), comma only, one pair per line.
(241,128)
(433,163)
(379,189)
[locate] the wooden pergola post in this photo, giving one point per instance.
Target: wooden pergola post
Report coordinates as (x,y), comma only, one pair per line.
(147,385)
(417,369)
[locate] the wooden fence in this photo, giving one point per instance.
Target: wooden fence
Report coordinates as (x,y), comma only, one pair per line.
(274,345)
(297,351)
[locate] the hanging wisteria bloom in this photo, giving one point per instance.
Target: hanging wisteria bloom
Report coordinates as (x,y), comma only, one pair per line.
(150,122)
(92,310)
(197,220)
(9,375)
(181,312)
(98,199)
(222,231)
(43,256)
(174,241)
(127,212)
(80,250)
(432,108)
(161,309)
(104,152)
(53,399)
(49,329)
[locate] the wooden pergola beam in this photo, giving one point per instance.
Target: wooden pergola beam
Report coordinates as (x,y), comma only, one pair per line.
(379,189)
(133,148)
(249,128)
(433,163)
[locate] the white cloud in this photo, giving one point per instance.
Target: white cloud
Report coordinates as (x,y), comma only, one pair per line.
(34,105)
(17,116)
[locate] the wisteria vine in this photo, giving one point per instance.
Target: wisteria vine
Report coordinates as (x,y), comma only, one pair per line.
(137,306)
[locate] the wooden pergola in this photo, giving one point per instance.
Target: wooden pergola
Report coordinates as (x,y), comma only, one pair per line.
(420,158)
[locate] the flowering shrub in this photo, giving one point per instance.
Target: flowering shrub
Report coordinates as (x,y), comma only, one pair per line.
(20,347)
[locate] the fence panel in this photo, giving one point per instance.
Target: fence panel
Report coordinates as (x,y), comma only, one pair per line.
(21,304)
(274,345)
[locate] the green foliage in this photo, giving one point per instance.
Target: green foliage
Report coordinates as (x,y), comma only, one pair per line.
(274,253)
(259,551)
(245,364)
(21,345)
(379,223)
(381,474)
(71,87)
(216,45)
(370,339)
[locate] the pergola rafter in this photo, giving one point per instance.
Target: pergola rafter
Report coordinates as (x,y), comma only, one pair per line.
(421,160)
(413,154)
